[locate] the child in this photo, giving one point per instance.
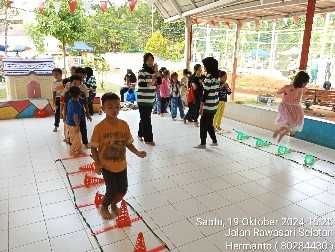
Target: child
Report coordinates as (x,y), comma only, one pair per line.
(74,110)
(157,107)
(131,96)
(184,81)
(176,97)
(209,102)
(63,115)
(290,112)
(57,88)
(223,92)
(109,141)
(165,91)
(76,81)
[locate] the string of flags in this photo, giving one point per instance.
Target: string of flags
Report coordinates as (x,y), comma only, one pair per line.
(256,22)
(73,4)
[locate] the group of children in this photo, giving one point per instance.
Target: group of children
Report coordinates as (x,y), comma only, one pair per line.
(111,137)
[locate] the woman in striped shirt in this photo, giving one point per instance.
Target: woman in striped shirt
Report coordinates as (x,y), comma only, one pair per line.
(209,102)
(147,77)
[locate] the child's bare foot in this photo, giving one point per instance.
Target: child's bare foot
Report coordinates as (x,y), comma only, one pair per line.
(275,134)
(115,210)
(106,215)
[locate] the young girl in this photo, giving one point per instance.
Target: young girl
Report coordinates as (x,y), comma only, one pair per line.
(176,97)
(223,92)
(184,88)
(165,91)
(290,112)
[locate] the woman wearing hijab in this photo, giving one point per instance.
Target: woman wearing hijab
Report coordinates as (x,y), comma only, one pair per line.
(209,102)
(147,78)
(91,85)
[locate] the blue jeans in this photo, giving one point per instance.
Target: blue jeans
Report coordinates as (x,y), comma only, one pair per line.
(157,107)
(176,102)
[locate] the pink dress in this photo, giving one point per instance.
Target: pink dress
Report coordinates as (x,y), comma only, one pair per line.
(165,88)
(290,112)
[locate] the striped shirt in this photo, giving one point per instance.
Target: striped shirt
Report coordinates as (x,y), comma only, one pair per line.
(211,86)
(145,94)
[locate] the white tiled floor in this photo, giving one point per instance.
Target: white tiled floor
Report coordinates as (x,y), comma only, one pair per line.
(172,189)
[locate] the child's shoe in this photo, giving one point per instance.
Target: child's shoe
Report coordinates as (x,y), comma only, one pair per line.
(200,146)
(55,129)
(214,144)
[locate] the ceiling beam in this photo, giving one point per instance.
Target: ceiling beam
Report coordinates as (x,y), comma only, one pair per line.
(176,7)
(193,3)
(161,9)
(245,7)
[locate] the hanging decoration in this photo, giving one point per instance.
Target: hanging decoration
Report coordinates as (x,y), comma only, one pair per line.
(228,24)
(132,4)
(249,25)
(296,19)
(285,20)
(9,4)
(73,6)
(324,15)
(57,7)
(103,5)
(212,22)
(241,25)
(266,23)
(87,6)
(41,7)
(196,21)
(276,21)
(256,23)
(118,3)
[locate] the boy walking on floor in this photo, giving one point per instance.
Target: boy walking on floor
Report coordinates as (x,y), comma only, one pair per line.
(74,111)
(109,141)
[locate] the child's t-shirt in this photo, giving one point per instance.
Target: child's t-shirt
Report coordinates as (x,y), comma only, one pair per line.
(292,96)
(111,142)
(57,86)
(73,108)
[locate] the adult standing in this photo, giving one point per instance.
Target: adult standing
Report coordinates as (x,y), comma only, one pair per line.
(130,81)
(147,77)
(91,85)
(315,69)
(209,102)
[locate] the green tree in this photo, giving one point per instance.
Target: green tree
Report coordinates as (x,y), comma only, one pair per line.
(64,26)
(157,45)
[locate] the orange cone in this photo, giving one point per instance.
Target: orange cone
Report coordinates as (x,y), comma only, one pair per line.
(91,181)
(140,244)
(88,168)
(123,220)
(98,199)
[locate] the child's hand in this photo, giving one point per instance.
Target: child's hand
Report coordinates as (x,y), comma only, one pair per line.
(142,154)
(89,118)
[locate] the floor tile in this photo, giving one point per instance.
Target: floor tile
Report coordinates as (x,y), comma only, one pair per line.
(27,234)
(26,216)
(74,242)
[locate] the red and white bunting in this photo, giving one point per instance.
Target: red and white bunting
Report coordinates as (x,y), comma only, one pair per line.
(41,7)
(132,4)
(296,19)
(256,23)
(324,15)
(228,24)
(56,6)
(103,5)
(73,6)
(285,20)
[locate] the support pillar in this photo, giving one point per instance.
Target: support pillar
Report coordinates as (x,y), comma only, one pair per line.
(307,34)
(237,44)
(188,42)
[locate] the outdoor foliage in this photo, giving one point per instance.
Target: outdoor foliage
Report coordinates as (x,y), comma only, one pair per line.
(64,26)
(100,66)
(157,45)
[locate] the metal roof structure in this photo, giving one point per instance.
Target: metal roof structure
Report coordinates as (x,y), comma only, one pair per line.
(237,10)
